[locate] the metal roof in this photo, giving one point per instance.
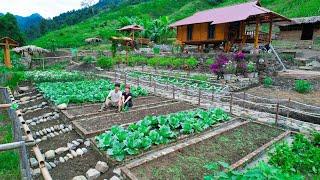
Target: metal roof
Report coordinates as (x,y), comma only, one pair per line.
(302,20)
(227,14)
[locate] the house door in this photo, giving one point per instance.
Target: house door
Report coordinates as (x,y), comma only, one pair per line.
(307,32)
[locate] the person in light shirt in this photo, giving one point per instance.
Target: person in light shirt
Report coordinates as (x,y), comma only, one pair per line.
(114,99)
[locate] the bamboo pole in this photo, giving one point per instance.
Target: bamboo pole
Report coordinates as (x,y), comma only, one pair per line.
(231,103)
(199,97)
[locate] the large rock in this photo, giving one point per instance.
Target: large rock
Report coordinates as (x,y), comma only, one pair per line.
(62,106)
(50,154)
(79,178)
(92,174)
(102,166)
(79,152)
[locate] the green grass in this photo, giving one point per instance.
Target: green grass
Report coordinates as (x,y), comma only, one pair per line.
(105,24)
(9,166)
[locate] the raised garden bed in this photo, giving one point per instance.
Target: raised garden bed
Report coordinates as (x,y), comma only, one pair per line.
(93,126)
(92,110)
(185,161)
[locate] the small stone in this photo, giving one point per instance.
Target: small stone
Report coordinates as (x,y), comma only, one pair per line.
(48,130)
(52,135)
(102,166)
(41,133)
(61,150)
(85,150)
(37,133)
(36,172)
(66,158)
(76,143)
(79,140)
(61,126)
(79,178)
(92,174)
(53,165)
(48,166)
(70,156)
(71,146)
(52,129)
(56,133)
(117,171)
(56,127)
(33,124)
(114,178)
(44,138)
(87,143)
(38,140)
(33,162)
(63,130)
(79,152)
(24,99)
(24,88)
(70,127)
(62,106)
(74,154)
(44,131)
(61,159)
(56,162)
(66,129)
(50,154)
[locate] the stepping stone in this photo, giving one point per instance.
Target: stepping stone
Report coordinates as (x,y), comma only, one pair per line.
(87,143)
(79,140)
(74,154)
(76,143)
(92,174)
(70,156)
(71,146)
(85,150)
(102,166)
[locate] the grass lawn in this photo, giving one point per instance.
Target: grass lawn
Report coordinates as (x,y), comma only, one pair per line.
(9,160)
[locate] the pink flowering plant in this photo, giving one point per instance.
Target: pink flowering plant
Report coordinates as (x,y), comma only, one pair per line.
(219,64)
(239,56)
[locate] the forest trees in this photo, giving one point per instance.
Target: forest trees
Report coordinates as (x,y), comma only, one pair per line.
(9,27)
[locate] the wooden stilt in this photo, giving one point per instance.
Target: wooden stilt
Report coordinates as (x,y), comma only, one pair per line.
(256,35)
(270,31)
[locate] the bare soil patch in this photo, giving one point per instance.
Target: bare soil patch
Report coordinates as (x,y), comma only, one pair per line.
(99,124)
(312,98)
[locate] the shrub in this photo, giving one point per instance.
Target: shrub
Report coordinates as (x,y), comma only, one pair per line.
(251,67)
(192,62)
(302,86)
(105,62)
(88,59)
(267,82)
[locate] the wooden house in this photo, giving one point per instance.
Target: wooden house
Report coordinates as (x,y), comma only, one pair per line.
(301,29)
(228,25)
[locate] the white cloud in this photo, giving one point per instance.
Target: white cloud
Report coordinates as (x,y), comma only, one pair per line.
(47,8)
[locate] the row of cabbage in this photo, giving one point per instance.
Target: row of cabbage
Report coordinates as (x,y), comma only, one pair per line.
(154,130)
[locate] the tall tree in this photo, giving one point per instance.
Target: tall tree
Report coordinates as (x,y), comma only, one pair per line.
(9,27)
(88,4)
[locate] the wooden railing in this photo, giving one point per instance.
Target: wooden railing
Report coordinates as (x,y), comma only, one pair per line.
(263,37)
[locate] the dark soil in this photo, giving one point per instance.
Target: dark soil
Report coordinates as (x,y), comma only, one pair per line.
(228,147)
(37,113)
(94,108)
(99,124)
(29,104)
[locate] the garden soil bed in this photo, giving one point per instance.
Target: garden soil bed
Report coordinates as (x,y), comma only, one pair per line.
(37,113)
(97,125)
(312,98)
(92,110)
(187,163)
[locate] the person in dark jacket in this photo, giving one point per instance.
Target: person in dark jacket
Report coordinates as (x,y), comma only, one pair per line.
(127,98)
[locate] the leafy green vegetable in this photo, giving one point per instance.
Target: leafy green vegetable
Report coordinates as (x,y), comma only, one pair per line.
(155,130)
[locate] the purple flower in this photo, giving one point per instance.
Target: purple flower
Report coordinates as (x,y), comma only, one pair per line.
(222,59)
(214,68)
(239,56)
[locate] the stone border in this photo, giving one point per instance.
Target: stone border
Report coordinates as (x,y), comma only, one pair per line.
(179,140)
(125,170)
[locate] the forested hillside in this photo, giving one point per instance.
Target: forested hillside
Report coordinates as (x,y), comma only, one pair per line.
(105,23)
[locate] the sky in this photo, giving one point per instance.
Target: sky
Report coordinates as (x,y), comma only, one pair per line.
(46,8)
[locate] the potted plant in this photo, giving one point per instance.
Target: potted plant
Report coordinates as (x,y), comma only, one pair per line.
(251,69)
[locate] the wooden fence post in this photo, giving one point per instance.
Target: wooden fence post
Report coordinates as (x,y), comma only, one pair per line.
(277,113)
(231,103)
(244,99)
(289,102)
(199,97)
(154,87)
(115,75)
(173,92)
(150,80)
(125,78)
(138,81)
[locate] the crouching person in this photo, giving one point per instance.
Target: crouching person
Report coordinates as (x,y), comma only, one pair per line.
(114,99)
(127,98)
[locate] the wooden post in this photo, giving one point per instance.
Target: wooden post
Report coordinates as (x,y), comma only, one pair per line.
(199,97)
(138,81)
(242,34)
(125,78)
(289,102)
(277,113)
(150,80)
(173,92)
(270,31)
(256,34)
(231,103)
(154,87)
(7,60)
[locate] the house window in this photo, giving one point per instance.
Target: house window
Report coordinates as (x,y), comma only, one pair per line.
(211,31)
(189,33)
